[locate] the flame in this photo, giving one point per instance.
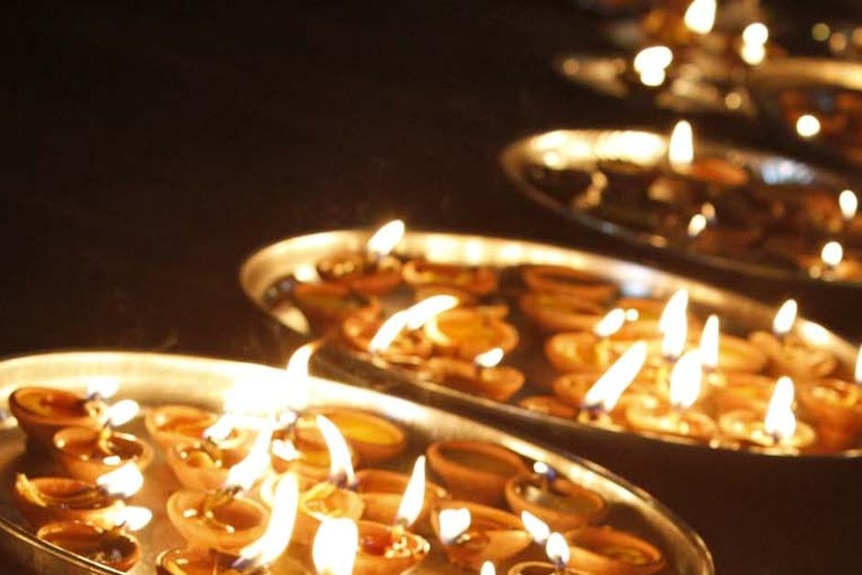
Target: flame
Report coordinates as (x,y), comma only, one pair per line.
(414,495)
(832,254)
(221,429)
(387,332)
(537,528)
(696,225)
(453,522)
(849,204)
(785,318)
(651,64)
(606,391)
(780,421)
(122,412)
(103,386)
(487,569)
(298,374)
(754,38)
(386,238)
(335,545)
(279,530)
(557,550)
(708,211)
(685,380)
(680,151)
(429,308)
(807,126)
(284,449)
(610,324)
(709,343)
(123,482)
(133,518)
(246,472)
(340,464)
(700,16)
(673,324)
(489,358)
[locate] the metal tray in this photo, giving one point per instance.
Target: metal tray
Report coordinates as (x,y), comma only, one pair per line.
(555,151)
(262,273)
(154,379)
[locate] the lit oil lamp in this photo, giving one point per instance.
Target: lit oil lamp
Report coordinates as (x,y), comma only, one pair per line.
(472,534)
(789,354)
(335,496)
(468,332)
(115,547)
(835,405)
(702,171)
(172,424)
(555,312)
(381,491)
(568,280)
(481,377)
(335,546)
(601,398)
(587,351)
(323,306)
(677,418)
(385,550)
(475,470)
(608,551)
(42,411)
(777,432)
(44,500)
(474,280)
(724,356)
(88,453)
(557,550)
(561,504)
(300,448)
(372,271)
(374,438)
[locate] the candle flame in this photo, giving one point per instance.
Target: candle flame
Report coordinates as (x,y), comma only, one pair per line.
(807,126)
(490,358)
(606,391)
(221,429)
(298,374)
(340,464)
(610,324)
(685,380)
(849,204)
(832,254)
(411,318)
(780,421)
(284,449)
(557,550)
(709,343)
(487,569)
(785,317)
(453,522)
(246,472)
(651,64)
(673,324)
(386,238)
(754,38)
(123,412)
(680,151)
(700,16)
(335,545)
(122,482)
(537,528)
(387,332)
(103,386)
(133,518)
(414,495)
(696,225)
(278,531)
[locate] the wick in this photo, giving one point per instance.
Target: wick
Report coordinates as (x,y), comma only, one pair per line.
(592,411)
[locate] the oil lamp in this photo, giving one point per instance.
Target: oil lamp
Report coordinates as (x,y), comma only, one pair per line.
(601,399)
(555,500)
(481,377)
(381,491)
(335,546)
(172,424)
(558,553)
(587,351)
(608,551)
(373,438)
(472,533)
(568,280)
(372,271)
(385,550)
(467,332)
(554,312)
(42,411)
(324,306)
(835,406)
(300,448)
(475,470)
(704,171)
(467,280)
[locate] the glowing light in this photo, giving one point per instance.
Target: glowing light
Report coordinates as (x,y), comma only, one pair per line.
(104,387)
(490,358)
(453,523)
(221,429)
(832,254)
(386,238)
(673,324)
(700,16)
(414,495)
(610,324)
(849,204)
(755,33)
(254,465)
(557,550)
(340,464)
(387,332)
(335,544)
(298,374)
(134,518)
(807,126)
(696,225)
(685,380)
(709,346)
(606,391)
(785,317)
(122,412)
(651,64)
(537,528)
(681,149)
(821,32)
(279,530)
(780,421)
(488,569)
(411,318)
(122,482)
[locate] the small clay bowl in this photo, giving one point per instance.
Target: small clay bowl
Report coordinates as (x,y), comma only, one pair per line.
(571,352)
(88,453)
(835,408)
(607,551)
(360,272)
(326,305)
(794,357)
(374,438)
(197,468)
(475,470)
(467,332)
(498,383)
(561,504)
(111,547)
(358,331)
(321,501)
(42,411)
(43,500)
(172,424)
(226,526)
(554,311)
(476,280)
(567,280)
(662,419)
(382,491)
(378,554)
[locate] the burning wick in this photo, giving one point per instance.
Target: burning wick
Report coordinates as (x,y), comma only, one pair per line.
(784,320)
(849,204)
(681,147)
(557,550)
(487,360)
(831,256)
(454,524)
(603,396)
(780,423)
(606,327)
(546,473)
(700,16)
(412,318)
(537,528)
(384,241)
(335,545)
(341,469)
(709,346)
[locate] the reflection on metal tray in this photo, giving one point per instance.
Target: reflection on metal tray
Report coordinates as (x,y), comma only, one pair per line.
(154,379)
(773,226)
(263,279)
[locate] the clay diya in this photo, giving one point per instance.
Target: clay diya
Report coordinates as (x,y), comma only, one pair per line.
(740,391)
(582,352)
(374,438)
(326,306)
(88,453)
(701,170)
(835,405)
(572,388)
(195,562)
(554,312)
(561,504)
(596,406)
(371,271)
(43,500)
(112,547)
(567,280)
(557,550)
(482,376)
(172,424)
(406,348)
(475,280)
(42,411)
(607,551)
(475,470)
(468,332)
(382,490)
(472,534)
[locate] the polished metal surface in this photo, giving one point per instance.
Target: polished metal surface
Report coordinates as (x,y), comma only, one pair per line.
(154,379)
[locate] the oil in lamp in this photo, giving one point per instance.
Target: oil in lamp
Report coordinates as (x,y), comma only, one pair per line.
(702,171)
(472,533)
(600,400)
(835,406)
(482,376)
(335,546)
(385,550)
(558,553)
(467,332)
(372,271)
(555,312)
(777,432)
(567,280)
(608,551)
(89,453)
(475,470)
(555,500)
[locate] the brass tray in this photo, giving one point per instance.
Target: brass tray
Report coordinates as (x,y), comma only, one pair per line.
(534,164)
(263,278)
(154,379)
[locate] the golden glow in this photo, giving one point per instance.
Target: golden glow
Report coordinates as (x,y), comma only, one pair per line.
(685,380)
(122,482)
(673,324)
(696,225)
(557,549)
(386,238)
(755,33)
(221,429)
(606,391)
(487,569)
(123,412)
(537,528)
(335,545)
(858,372)
(807,126)
(849,204)
(821,31)
(298,375)
(610,324)
(681,149)
(246,472)
(490,358)
(279,529)
(453,522)
(709,347)
(700,16)
(832,254)
(414,495)
(387,332)
(340,464)
(651,64)
(780,421)
(413,317)
(133,518)
(103,386)
(785,317)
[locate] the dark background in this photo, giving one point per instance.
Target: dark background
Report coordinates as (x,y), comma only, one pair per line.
(148,149)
